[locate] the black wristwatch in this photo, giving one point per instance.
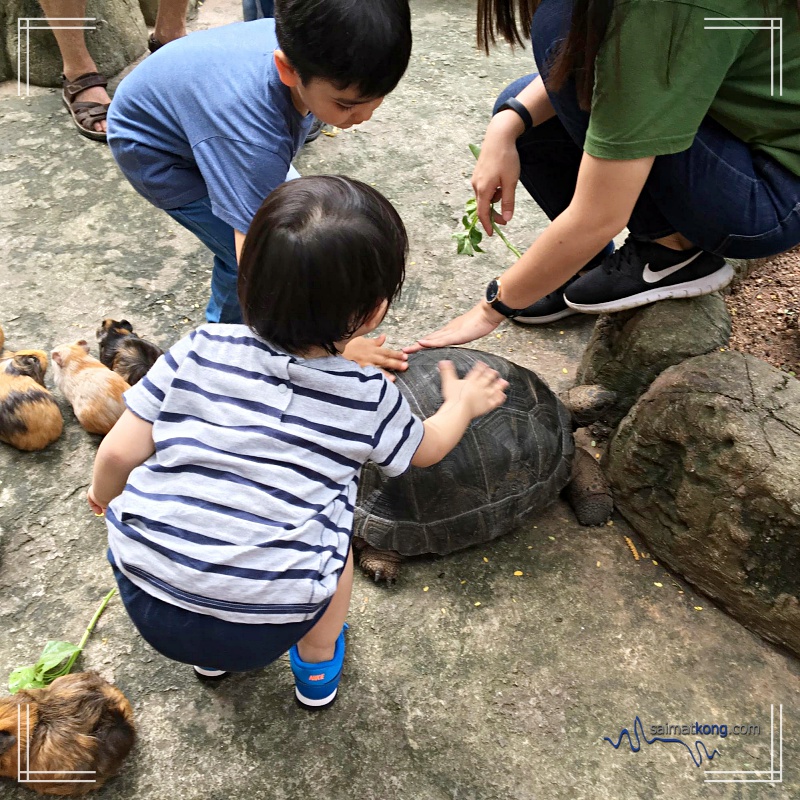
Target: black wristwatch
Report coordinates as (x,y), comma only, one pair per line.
(493,299)
(513,104)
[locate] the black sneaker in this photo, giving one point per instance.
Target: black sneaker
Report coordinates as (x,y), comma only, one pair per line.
(314,131)
(553,307)
(641,272)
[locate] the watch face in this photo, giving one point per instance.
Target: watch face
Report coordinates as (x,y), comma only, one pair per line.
(492,290)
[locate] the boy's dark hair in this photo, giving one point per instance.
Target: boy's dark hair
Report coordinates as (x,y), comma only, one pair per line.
(361,43)
(321,255)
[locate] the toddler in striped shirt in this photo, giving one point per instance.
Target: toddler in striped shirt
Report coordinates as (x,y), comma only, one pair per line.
(229,483)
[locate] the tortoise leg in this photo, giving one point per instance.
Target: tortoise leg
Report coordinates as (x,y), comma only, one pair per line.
(381,565)
(588,492)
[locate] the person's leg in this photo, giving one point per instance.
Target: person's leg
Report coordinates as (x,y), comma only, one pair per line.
(72,46)
(257,9)
(319,643)
(318,657)
(217,236)
(170,20)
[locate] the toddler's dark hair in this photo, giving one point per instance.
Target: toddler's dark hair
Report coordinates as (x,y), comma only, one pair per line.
(321,255)
(362,43)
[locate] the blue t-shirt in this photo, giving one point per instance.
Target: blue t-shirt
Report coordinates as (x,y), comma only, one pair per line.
(208,115)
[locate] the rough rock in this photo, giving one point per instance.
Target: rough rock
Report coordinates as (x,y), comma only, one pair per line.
(706,467)
(5,65)
(629,349)
(119,39)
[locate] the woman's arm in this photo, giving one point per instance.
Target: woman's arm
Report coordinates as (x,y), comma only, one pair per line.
(497,172)
(128,444)
(604,198)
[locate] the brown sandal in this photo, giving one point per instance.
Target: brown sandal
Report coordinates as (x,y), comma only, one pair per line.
(85,114)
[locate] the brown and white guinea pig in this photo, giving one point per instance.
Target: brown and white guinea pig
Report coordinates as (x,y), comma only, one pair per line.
(123,351)
(80,723)
(93,390)
(30,419)
(2,339)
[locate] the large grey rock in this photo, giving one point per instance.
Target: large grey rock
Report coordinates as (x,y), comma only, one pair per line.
(119,39)
(706,467)
(627,350)
(5,64)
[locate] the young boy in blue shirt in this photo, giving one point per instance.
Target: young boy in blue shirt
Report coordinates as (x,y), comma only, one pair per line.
(230,481)
(207,127)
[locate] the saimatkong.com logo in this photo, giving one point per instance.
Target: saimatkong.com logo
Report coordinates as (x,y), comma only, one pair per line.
(700,740)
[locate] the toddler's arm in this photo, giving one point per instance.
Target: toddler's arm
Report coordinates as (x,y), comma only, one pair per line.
(479,392)
(128,444)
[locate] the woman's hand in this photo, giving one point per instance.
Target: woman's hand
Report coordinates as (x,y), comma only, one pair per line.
(370,353)
(477,322)
(497,171)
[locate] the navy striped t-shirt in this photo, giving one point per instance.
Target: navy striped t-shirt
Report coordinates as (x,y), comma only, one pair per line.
(245,510)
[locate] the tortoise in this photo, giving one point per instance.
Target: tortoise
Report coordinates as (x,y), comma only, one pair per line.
(510,465)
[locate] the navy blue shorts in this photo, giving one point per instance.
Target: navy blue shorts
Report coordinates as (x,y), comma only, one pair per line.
(204,640)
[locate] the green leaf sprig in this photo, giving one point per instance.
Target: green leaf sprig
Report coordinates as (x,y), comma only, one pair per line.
(57,659)
(470,238)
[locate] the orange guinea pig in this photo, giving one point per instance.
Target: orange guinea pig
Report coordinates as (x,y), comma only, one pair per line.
(29,416)
(93,390)
(80,723)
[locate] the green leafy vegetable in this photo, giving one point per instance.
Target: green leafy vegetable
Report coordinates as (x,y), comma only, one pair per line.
(57,659)
(469,239)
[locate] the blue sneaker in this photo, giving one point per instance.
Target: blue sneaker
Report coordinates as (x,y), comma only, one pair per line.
(316,684)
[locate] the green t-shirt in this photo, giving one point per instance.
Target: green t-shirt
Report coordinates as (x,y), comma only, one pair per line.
(659,72)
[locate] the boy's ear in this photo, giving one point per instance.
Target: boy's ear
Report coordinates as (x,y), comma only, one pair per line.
(286,72)
(376,317)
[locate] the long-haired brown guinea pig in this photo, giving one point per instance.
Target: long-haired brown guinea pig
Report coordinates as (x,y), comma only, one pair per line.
(123,351)
(93,390)
(30,419)
(80,723)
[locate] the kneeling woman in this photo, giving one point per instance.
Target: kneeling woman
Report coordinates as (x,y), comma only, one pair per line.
(670,117)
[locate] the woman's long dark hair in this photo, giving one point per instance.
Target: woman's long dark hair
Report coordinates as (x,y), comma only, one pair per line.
(576,57)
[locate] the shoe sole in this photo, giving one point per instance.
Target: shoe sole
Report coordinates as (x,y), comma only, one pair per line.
(315,705)
(95,136)
(679,291)
(210,675)
(567,312)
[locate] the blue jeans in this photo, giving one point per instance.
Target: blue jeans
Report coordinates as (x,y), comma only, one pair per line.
(217,236)
(257,9)
(720,194)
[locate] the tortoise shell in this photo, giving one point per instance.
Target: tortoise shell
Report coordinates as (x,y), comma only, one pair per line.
(510,465)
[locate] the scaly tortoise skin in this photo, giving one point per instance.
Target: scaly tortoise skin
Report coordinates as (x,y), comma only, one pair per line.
(511,464)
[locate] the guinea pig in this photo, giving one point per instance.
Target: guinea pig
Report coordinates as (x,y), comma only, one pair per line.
(30,419)
(2,338)
(78,724)
(93,390)
(124,352)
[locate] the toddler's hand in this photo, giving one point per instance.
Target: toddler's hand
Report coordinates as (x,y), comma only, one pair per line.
(481,390)
(99,510)
(370,353)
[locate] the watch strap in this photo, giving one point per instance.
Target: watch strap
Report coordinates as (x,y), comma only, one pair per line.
(515,105)
(505,310)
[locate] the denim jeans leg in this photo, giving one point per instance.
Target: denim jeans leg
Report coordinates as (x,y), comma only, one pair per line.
(257,9)
(217,236)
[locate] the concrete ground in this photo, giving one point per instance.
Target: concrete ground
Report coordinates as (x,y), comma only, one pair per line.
(462,681)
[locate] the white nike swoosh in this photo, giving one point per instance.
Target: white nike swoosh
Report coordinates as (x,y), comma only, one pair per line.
(648,276)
